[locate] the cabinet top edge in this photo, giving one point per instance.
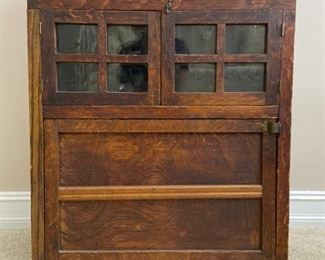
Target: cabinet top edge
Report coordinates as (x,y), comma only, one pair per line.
(159,5)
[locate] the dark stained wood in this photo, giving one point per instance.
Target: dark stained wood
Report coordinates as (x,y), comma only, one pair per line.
(160,159)
(163,225)
(160,112)
(220,58)
(51,163)
(101,97)
(229,17)
(164,255)
(272,19)
(102,58)
(160,175)
(269,182)
(285,137)
(159,126)
(36,134)
(160,192)
(225,99)
(274,53)
(204,5)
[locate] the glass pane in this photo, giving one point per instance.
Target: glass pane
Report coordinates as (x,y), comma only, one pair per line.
(195,77)
(195,39)
(75,38)
(245,39)
(127,77)
(244,77)
(127,39)
(77,76)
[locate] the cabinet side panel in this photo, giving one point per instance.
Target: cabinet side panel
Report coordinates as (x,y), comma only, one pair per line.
(284,139)
(36,133)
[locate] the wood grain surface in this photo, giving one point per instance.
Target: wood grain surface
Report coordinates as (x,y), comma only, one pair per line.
(163,225)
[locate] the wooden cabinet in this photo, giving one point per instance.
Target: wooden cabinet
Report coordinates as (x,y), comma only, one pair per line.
(160,129)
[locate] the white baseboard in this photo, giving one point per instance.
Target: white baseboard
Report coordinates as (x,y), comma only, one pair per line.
(14,209)
(305,207)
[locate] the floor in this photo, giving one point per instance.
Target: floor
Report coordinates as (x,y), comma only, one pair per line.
(307,242)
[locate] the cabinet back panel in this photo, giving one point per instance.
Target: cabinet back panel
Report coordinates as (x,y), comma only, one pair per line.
(159,158)
(161,225)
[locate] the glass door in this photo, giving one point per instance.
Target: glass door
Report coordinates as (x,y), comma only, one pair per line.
(221,58)
(99,57)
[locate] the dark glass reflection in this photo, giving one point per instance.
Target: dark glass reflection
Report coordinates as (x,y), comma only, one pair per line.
(127,77)
(195,77)
(198,39)
(77,76)
(245,39)
(76,38)
(127,39)
(244,77)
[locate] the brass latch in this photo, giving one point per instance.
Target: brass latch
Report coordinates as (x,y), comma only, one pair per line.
(272,127)
(168,6)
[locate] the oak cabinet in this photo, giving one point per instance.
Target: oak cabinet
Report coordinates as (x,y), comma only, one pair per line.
(160,129)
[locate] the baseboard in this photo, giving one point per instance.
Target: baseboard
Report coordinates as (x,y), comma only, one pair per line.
(305,207)
(14,210)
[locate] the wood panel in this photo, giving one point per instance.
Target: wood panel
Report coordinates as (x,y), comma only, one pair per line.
(159,159)
(159,192)
(161,225)
(36,134)
(159,4)
(285,137)
(160,112)
(165,255)
(160,126)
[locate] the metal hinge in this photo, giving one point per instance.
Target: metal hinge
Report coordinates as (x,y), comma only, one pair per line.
(282,29)
(40,28)
(168,6)
(272,127)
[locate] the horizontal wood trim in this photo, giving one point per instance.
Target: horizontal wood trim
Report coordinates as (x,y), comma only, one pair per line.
(97,16)
(102,58)
(160,126)
(221,58)
(251,16)
(159,192)
(211,98)
(162,255)
(162,112)
(204,5)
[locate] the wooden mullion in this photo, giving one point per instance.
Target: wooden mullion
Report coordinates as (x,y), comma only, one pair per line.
(220,51)
(101,58)
(102,44)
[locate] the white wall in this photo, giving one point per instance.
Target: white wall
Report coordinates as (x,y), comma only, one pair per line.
(308,127)
(308,136)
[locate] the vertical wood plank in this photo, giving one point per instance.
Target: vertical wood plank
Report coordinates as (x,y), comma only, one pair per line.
(51,162)
(48,46)
(168,57)
(274,57)
(221,32)
(102,43)
(269,180)
(154,40)
(285,136)
(36,134)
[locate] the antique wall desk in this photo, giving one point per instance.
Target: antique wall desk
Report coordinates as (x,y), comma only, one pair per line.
(160,129)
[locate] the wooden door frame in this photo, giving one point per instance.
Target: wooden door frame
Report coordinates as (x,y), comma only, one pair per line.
(271,18)
(51,96)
